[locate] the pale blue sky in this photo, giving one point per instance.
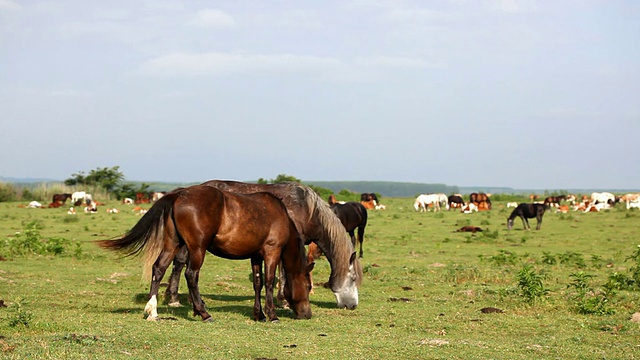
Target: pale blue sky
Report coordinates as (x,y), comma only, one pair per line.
(524,94)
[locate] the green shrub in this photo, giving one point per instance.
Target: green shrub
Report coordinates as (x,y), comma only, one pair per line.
(530,284)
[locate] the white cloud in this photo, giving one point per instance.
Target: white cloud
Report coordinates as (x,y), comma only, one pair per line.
(221,64)
(212,18)
(397,62)
(514,6)
(9,5)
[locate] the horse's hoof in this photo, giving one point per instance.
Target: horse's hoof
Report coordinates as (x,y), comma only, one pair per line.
(174,304)
(275,321)
(152,318)
(208,320)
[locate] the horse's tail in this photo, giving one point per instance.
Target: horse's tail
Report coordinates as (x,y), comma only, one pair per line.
(148,233)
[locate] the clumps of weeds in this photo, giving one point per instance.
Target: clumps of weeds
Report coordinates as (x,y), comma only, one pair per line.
(587,299)
(530,284)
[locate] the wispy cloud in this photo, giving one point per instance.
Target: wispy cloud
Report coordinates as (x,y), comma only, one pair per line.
(211,18)
(514,6)
(9,5)
(221,64)
(397,62)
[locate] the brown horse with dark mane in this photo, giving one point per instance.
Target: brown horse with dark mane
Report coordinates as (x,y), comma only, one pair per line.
(554,200)
(61,198)
(315,223)
(231,226)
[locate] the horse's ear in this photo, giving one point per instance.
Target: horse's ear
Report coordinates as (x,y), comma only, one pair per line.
(310,267)
(353,258)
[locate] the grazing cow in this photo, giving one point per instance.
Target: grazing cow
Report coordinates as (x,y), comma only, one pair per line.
(61,198)
(112,211)
(71,211)
(127,201)
(562,209)
(554,200)
(477,198)
(525,212)
(512,204)
(455,201)
(597,207)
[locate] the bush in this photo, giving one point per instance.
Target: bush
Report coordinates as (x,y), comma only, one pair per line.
(530,284)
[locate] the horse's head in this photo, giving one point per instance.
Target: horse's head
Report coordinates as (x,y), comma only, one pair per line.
(347,292)
(296,291)
(509,223)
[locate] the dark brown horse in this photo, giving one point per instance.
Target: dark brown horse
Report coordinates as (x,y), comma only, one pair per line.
(554,200)
(525,212)
(315,223)
(61,198)
(231,226)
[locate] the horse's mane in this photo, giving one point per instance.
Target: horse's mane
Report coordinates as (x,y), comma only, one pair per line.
(331,234)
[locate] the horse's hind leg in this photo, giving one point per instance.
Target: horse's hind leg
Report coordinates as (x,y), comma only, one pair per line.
(158,270)
(256,268)
(174,281)
(192,274)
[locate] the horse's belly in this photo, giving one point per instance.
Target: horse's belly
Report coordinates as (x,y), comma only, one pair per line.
(234,248)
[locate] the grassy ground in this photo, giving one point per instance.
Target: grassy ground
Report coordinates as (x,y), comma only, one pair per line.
(424,287)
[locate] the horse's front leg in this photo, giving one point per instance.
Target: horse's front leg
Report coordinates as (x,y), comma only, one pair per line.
(158,270)
(539,223)
(280,299)
(256,269)
(179,262)
(525,223)
(192,274)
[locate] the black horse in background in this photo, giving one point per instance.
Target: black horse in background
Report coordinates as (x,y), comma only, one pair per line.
(353,216)
(527,211)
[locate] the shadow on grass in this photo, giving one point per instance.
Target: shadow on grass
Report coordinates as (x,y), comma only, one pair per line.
(186,310)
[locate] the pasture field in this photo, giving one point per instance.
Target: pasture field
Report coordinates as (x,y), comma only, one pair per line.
(421,298)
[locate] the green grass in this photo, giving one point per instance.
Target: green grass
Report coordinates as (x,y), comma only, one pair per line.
(423,290)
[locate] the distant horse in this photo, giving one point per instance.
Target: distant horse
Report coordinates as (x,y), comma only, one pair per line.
(455,201)
(315,222)
(368,197)
(554,200)
(61,198)
(525,212)
(478,198)
(422,202)
(78,197)
(443,200)
(352,215)
(603,197)
(231,226)
(332,199)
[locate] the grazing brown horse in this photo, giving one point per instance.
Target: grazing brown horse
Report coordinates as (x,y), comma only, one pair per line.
(554,200)
(315,223)
(61,198)
(527,211)
(231,226)
(478,198)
